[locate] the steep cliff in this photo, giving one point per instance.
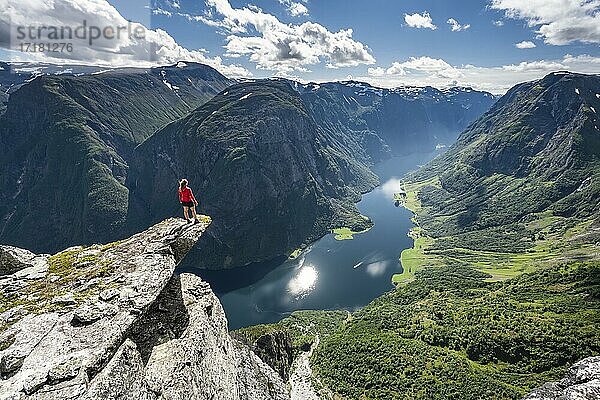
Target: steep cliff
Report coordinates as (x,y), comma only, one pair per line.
(116,322)
(407,119)
(65,145)
(270,175)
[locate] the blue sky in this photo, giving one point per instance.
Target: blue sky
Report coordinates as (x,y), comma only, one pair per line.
(380,25)
(385,42)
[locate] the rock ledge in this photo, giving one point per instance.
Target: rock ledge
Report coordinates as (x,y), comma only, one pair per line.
(115,322)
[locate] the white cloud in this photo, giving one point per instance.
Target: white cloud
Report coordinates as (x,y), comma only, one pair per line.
(417,20)
(525,44)
(378,71)
(529,66)
(152,48)
(559,22)
(276,46)
(421,71)
(298,9)
(499,23)
(456,26)
(585,59)
(161,11)
(418,66)
(294,8)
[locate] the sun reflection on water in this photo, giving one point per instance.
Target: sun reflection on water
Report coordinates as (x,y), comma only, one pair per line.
(304,281)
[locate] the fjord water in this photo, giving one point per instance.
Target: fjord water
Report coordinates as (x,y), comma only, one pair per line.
(331,274)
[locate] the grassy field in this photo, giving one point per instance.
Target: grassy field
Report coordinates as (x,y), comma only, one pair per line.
(346,233)
(412,201)
(414,259)
(551,239)
(295,253)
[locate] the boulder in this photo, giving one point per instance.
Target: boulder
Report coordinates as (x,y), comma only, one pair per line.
(581,382)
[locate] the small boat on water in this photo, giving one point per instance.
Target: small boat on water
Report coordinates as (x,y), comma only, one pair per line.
(358,265)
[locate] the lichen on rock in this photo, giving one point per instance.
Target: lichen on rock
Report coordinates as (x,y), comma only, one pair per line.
(116,322)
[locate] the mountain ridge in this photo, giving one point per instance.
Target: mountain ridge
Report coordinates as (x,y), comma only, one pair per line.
(499,293)
(545,130)
(67,140)
(100,119)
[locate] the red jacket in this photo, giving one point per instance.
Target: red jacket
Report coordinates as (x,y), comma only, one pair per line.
(186,195)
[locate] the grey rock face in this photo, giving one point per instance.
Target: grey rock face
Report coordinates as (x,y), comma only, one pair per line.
(582,382)
(205,362)
(275,349)
(13,259)
(115,322)
(123,377)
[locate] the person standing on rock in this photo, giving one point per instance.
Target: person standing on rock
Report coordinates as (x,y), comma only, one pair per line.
(187,200)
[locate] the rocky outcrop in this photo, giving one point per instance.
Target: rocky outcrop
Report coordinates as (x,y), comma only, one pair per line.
(272,183)
(582,382)
(302,377)
(274,348)
(116,322)
(13,259)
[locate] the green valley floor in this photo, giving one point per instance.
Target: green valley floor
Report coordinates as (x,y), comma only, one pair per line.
(465,323)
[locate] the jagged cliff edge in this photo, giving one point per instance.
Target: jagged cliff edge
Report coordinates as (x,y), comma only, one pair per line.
(116,322)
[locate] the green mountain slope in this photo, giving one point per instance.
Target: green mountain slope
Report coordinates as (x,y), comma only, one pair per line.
(269,175)
(501,292)
(408,119)
(537,149)
(450,335)
(66,142)
(520,188)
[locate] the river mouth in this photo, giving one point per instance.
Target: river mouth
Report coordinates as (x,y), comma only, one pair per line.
(330,274)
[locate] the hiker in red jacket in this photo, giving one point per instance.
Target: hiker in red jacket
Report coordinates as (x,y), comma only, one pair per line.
(187,200)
